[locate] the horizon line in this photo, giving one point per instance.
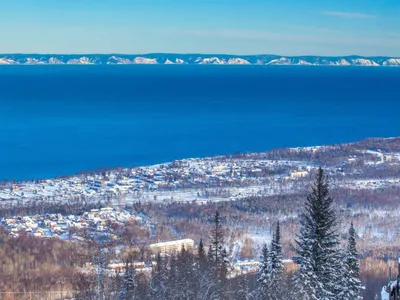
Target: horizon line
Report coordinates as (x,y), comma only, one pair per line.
(194,53)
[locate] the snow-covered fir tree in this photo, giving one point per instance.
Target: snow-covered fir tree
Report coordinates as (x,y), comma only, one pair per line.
(321,264)
(201,252)
(263,272)
(217,256)
(270,275)
(201,256)
(128,285)
(204,281)
(217,241)
(306,283)
(354,285)
(276,255)
(275,273)
(340,289)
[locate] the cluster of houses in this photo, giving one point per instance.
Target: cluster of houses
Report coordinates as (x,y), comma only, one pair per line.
(58,225)
(143,183)
(134,182)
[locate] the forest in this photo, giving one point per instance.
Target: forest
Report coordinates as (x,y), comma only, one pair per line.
(327,263)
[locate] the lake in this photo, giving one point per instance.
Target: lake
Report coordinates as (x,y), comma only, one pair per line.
(59,120)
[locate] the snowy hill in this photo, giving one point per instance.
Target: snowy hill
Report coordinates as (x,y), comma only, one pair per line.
(201,59)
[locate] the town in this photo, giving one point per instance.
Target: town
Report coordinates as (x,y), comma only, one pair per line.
(56,225)
(216,178)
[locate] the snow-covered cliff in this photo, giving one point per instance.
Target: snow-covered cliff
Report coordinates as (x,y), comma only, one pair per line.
(201,59)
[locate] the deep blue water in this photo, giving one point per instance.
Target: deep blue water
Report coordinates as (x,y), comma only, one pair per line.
(57,120)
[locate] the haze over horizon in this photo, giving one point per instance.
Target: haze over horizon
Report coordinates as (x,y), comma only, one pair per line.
(329,28)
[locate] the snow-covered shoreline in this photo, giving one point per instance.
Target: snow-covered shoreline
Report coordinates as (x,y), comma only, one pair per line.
(220,178)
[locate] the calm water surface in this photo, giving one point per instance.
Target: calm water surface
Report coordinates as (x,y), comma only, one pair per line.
(57,120)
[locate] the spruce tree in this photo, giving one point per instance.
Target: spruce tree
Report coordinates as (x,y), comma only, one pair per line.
(201,254)
(205,282)
(276,254)
(275,273)
(217,241)
(354,286)
(341,288)
(306,282)
(270,275)
(218,258)
(263,274)
(318,245)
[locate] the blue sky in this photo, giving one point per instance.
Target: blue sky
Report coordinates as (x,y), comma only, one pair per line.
(315,27)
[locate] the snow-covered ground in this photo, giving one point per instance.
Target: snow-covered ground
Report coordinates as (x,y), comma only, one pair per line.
(208,179)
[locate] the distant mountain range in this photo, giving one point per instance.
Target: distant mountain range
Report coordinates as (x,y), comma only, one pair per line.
(193,59)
